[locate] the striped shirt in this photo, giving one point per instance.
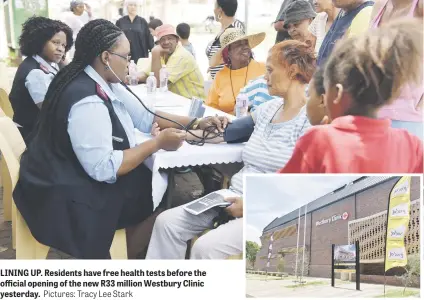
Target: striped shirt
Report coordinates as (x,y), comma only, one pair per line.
(185,78)
(257,92)
(215,45)
(271,145)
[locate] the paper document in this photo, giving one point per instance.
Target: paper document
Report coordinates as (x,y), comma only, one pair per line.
(214,199)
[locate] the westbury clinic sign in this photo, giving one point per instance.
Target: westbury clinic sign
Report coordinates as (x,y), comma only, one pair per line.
(334,218)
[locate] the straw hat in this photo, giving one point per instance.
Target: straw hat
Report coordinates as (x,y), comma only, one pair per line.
(230,36)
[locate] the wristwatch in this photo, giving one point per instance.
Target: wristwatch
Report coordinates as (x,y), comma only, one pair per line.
(195,124)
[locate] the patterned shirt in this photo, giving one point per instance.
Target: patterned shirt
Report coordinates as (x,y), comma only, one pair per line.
(271,145)
(257,92)
(215,45)
(185,78)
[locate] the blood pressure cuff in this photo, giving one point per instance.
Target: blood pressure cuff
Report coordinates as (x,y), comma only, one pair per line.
(239,131)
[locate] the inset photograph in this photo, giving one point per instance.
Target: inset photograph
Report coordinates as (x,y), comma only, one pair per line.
(333,236)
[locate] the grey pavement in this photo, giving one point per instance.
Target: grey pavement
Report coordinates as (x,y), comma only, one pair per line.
(258,287)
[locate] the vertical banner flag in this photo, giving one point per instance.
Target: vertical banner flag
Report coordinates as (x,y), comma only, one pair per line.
(271,239)
(398,215)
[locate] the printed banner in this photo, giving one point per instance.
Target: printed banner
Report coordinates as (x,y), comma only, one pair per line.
(345,258)
(271,239)
(397,223)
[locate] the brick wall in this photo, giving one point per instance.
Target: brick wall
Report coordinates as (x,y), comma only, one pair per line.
(331,233)
(282,243)
(375,199)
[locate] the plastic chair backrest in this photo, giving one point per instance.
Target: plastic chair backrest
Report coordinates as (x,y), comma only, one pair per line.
(11,161)
(5,103)
(12,135)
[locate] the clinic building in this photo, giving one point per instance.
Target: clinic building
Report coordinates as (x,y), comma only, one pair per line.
(354,212)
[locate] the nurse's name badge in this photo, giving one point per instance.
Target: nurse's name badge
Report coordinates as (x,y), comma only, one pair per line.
(101,93)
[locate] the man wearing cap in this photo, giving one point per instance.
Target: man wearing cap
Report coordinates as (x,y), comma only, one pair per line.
(282,33)
(185,78)
(298,16)
(137,31)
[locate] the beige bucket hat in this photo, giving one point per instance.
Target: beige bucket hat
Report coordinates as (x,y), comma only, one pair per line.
(230,36)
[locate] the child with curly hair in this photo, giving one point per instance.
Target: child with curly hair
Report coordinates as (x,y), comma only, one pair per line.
(363,74)
(44,42)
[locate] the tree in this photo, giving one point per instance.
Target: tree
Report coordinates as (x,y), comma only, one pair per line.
(281,264)
(412,271)
(252,249)
(299,264)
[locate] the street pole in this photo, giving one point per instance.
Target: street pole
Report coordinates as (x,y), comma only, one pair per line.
(297,245)
(304,243)
(145,12)
(4,50)
(332,265)
(3,38)
(246,13)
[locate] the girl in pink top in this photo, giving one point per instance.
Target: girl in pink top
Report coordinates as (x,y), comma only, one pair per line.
(406,110)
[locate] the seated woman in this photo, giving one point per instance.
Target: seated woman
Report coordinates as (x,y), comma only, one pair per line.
(298,17)
(363,74)
(45,43)
(240,67)
(82,176)
(272,131)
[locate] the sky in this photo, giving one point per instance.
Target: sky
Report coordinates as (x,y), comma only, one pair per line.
(269,197)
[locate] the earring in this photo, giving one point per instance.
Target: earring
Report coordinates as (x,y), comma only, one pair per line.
(219,17)
(107,68)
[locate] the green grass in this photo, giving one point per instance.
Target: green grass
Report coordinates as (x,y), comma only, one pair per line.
(263,277)
(306,284)
(399,294)
(267,278)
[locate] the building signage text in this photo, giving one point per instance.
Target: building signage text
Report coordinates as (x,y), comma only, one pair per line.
(334,218)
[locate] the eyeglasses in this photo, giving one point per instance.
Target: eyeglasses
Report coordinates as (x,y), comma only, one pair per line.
(127,58)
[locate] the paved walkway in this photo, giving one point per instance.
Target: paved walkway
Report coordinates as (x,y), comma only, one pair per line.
(258,287)
(188,188)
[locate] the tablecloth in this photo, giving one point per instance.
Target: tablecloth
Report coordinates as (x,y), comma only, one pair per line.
(187,155)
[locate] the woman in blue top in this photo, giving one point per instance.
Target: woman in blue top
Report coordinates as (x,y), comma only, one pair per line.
(45,43)
(82,177)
